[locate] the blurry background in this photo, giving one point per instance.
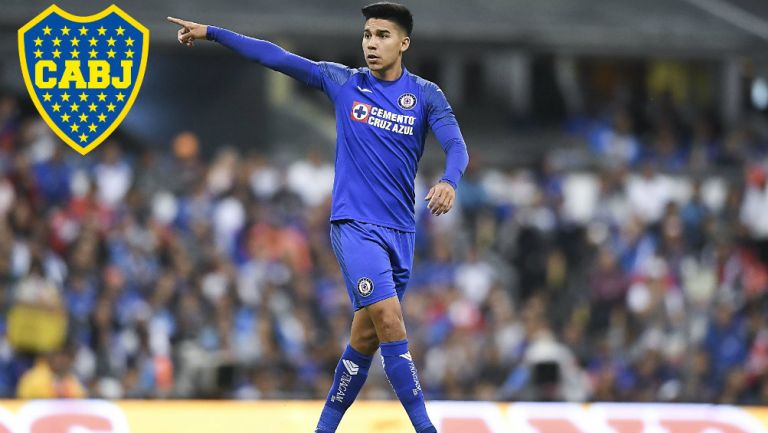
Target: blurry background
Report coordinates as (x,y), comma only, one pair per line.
(610,241)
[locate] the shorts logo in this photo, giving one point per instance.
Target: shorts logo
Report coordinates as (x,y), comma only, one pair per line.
(360,111)
(406,101)
(364,286)
(83,73)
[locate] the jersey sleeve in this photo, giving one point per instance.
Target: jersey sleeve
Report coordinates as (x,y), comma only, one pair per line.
(333,76)
(269,55)
(443,123)
(326,76)
(439,112)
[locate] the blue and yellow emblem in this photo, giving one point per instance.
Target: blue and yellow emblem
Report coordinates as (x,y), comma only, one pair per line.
(83,73)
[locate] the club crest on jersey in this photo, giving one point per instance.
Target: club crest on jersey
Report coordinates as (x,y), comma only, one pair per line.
(83,73)
(406,101)
(365,286)
(360,112)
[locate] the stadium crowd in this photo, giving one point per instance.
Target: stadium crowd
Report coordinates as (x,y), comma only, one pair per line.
(640,276)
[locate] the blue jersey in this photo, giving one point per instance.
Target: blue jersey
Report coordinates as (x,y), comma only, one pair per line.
(381,127)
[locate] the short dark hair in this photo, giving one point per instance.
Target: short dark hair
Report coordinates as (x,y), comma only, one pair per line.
(394,12)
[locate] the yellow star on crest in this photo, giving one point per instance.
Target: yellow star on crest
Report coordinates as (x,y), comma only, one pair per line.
(38,54)
(74,127)
(74,107)
(83,117)
(83,96)
(93,53)
(92,107)
(129,42)
(111,42)
(92,127)
(65,31)
(102,31)
(56,107)
(65,117)
(56,54)
(56,42)
(129,54)
(93,41)
(47,97)
(111,107)
(65,97)
(120,97)
(74,54)
(102,96)
(111,54)
(83,137)
(38,42)
(102,117)
(46,30)
(75,42)
(83,31)
(120,30)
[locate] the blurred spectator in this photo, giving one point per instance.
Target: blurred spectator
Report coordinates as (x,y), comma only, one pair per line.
(37,320)
(310,178)
(51,377)
(113,175)
(726,341)
(549,371)
(617,144)
(52,177)
(648,193)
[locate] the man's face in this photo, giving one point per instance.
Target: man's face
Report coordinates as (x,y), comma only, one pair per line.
(383,42)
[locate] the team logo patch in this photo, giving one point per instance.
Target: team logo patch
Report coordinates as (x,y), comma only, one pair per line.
(364,286)
(406,101)
(360,111)
(83,73)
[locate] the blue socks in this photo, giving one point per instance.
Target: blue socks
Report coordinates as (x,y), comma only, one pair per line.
(401,372)
(350,375)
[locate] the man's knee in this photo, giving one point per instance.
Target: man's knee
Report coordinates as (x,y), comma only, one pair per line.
(365,340)
(388,319)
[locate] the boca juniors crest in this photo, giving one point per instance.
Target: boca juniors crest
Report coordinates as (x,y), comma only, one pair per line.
(83,73)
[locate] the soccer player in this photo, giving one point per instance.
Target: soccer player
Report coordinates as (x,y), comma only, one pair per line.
(383,113)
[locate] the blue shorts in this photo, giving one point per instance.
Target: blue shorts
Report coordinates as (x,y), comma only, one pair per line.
(376,261)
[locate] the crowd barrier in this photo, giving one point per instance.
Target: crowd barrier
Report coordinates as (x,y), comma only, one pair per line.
(95,416)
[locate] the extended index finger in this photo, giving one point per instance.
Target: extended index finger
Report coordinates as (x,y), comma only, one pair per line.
(178,21)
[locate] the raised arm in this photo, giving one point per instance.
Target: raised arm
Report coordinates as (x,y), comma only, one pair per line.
(263,52)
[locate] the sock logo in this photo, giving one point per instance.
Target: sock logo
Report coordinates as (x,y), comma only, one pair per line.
(351,367)
(414,374)
(341,391)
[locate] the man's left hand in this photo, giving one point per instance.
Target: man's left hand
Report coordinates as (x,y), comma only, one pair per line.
(441,198)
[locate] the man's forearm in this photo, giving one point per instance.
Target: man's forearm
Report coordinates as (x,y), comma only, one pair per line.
(268,54)
(456,156)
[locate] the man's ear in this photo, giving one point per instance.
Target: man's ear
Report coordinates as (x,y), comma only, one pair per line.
(405,44)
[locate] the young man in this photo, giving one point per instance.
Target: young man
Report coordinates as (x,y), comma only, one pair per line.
(383,113)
